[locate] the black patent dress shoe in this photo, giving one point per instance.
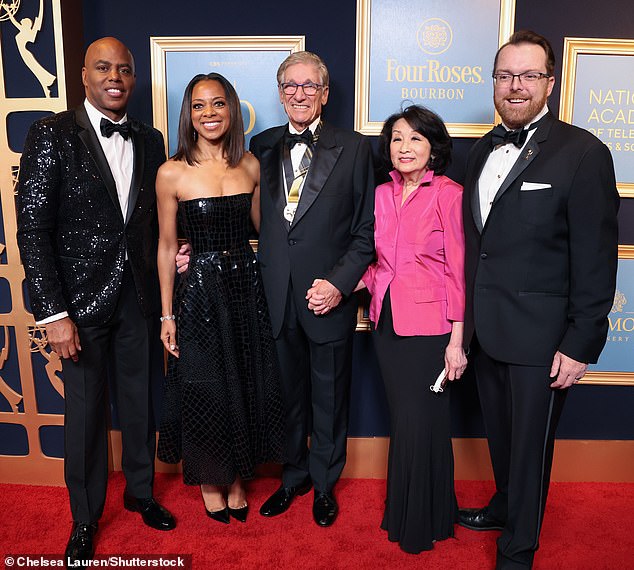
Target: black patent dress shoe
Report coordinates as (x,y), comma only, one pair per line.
(279,501)
(153,514)
(325,509)
(479,519)
(221,516)
(80,545)
(239,514)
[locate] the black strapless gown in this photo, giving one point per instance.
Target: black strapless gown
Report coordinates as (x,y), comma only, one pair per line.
(222,407)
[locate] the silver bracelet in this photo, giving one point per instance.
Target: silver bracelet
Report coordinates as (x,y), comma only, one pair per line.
(168,318)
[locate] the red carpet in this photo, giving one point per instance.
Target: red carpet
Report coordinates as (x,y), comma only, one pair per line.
(587,527)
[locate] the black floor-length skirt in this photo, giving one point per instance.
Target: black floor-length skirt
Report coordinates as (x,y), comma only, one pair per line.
(420,506)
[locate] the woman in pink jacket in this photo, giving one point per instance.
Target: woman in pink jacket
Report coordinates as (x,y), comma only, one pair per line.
(417,287)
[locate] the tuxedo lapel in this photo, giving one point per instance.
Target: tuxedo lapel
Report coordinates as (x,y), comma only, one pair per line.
(528,154)
(483,150)
(137,174)
(324,159)
(271,171)
(89,138)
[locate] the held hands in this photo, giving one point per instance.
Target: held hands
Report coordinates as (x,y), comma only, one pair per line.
(182,258)
(455,362)
(168,336)
(566,371)
(63,338)
(322,297)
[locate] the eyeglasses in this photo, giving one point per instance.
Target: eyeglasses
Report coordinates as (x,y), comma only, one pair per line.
(526,77)
(309,88)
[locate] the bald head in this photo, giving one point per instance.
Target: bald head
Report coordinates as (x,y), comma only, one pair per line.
(107,43)
(108,76)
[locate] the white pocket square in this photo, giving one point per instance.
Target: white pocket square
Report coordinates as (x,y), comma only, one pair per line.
(527,186)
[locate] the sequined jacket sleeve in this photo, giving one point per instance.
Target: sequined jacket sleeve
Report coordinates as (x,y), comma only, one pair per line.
(37,204)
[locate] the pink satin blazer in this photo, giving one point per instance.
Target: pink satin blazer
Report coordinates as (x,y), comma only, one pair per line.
(420,255)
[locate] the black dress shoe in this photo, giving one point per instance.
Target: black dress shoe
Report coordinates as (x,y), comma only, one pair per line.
(153,514)
(325,509)
(279,501)
(220,516)
(239,514)
(80,545)
(479,519)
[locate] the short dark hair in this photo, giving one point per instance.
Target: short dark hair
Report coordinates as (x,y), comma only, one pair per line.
(529,37)
(233,142)
(428,124)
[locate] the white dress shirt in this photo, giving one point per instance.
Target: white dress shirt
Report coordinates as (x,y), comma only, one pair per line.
(119,154)
(497,168)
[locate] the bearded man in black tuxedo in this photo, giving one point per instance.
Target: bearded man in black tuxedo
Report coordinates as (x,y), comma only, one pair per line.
(540,220)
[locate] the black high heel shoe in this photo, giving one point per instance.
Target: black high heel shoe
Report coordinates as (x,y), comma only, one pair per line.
(239,514)
(220,516)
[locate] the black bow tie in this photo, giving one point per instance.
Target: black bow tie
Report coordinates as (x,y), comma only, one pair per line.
(108,127)
(500,135)
(292,139)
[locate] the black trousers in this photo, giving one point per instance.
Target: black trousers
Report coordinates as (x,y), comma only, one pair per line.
(315,386)
(521,413)
(124,342)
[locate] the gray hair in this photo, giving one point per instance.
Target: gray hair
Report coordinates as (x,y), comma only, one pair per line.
(306,57)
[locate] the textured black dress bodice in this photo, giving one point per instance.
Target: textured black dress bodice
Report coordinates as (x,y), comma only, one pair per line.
(222,411)
(218,224)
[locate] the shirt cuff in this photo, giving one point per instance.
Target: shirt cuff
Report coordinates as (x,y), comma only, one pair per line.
(53,318)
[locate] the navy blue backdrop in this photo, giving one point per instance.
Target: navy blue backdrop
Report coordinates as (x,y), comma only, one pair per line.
(592,412)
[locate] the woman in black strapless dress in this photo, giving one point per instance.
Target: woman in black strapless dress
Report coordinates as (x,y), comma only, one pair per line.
(222,408)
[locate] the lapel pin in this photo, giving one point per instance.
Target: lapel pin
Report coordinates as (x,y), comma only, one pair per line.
(529,153)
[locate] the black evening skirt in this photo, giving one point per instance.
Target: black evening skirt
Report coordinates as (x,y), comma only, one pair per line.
(420,506)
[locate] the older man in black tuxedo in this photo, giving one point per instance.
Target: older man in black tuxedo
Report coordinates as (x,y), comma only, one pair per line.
(540,206)
(316,240)
(87,233)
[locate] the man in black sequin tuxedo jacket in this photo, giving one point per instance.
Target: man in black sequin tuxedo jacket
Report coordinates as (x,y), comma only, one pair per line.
(87,233)
(316,240)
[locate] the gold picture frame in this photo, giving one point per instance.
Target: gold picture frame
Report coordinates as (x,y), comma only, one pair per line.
(363,74)
(613,378)
(573,48)
(244,48)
